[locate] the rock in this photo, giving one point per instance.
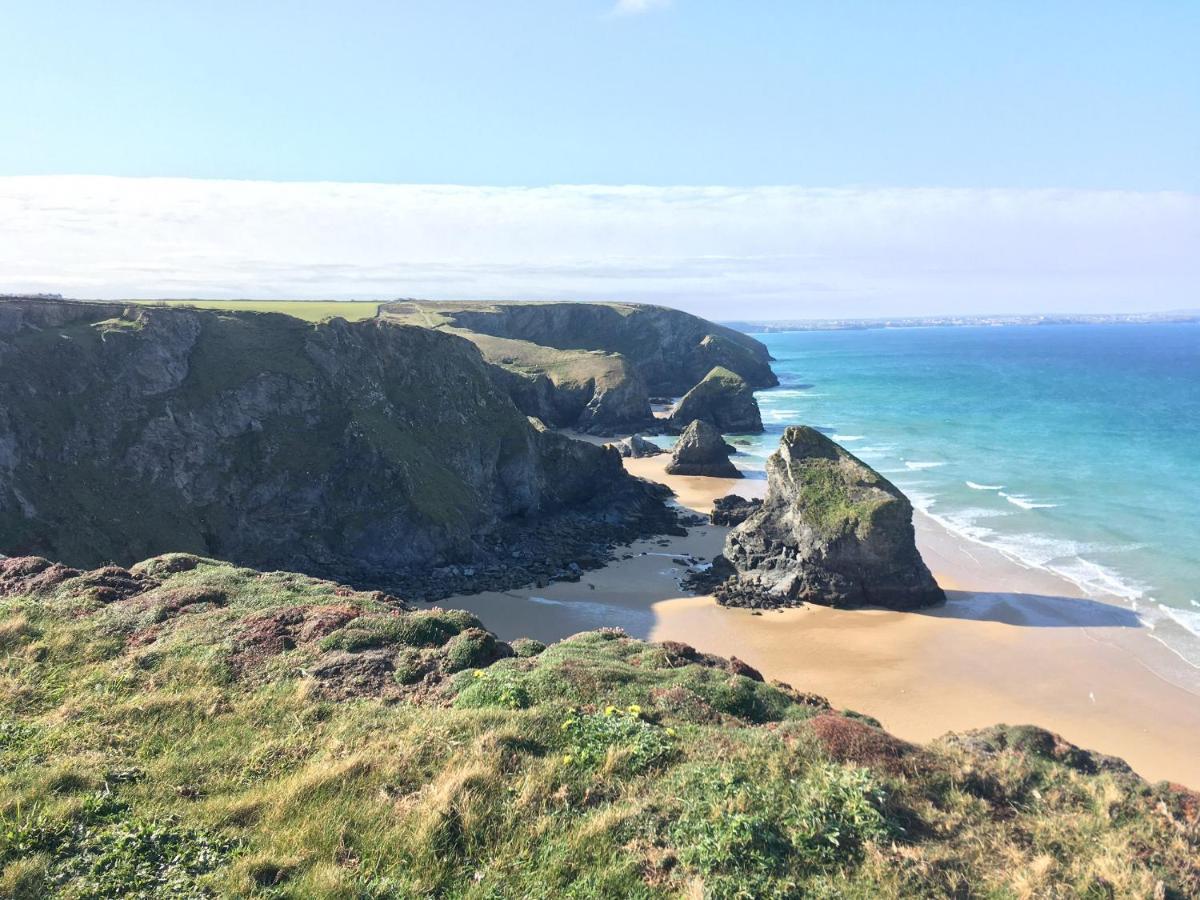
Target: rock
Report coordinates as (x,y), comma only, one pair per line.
(635,447)
(831,531)
(724,400)
(733,510)
(701,451)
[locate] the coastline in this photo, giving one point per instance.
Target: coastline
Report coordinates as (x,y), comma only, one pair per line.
(1011,644)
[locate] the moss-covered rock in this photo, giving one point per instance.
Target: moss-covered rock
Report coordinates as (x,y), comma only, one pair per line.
(831,531)
(724,400)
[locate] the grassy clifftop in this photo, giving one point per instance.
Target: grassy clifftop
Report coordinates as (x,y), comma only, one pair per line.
(187,728)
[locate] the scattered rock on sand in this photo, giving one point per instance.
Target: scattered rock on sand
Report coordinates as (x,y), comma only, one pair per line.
(635,447)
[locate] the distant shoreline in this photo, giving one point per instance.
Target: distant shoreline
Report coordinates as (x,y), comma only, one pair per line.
(771,326)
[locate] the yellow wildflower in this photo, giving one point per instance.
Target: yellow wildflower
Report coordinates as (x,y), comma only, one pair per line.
(566,760)
(609,710)
(670,732)
(478,673)
(634,709)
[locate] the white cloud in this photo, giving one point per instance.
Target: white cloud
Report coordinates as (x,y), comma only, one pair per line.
(720,251)
(636,7)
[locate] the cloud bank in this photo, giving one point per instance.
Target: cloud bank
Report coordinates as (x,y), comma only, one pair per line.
(723,252)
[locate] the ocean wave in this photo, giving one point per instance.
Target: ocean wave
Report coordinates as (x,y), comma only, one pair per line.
(1025,502)
(918,466)
(1189,621)
(843,438)
(983,487)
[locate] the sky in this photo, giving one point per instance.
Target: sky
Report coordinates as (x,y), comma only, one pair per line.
(769,158)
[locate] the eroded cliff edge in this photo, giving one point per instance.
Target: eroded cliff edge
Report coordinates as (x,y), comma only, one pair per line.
(370,451)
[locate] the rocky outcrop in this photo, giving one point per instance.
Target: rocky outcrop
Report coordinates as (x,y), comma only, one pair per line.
(623,352)
(635,447)
(733,510)
(377,453)
(701,451)
(724,400)
(831,531)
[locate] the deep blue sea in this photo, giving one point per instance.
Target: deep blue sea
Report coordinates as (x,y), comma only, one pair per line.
(1075,448)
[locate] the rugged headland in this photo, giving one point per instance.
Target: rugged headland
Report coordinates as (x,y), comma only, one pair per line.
(595,366)
(186,728)
(174,725)
(369,451)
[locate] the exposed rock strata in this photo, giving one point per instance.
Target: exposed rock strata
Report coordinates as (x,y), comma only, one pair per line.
(374,452)
(701,451)
(724,400)
(831,531)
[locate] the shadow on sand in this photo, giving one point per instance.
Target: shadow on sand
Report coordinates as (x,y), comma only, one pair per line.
(1033,610)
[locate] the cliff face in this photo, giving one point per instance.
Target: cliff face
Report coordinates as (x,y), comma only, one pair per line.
(367,450)
(831,531)
(602,360)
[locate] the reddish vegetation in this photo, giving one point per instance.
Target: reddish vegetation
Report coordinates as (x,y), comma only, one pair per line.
(268,634)
(849,740)
(31,575)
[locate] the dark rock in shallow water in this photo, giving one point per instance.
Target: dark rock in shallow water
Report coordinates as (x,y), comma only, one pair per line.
(733,510)
(831,531)
(724,400)
(635,447)
(701,451)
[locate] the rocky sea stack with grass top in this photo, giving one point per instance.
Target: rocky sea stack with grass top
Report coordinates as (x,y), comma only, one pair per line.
(831,531)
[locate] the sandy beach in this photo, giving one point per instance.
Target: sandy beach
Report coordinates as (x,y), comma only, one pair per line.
(1012,644)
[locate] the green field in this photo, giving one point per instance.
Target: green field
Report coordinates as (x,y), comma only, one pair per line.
(310,310)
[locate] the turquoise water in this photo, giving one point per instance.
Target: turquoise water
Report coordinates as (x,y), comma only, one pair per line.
(1073,448)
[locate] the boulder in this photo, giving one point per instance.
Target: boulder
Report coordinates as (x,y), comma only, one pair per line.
(831,531)
(701,451)
(635,447)
(733,510)
(724,400)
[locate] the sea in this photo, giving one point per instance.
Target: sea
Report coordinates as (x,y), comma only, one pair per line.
(1069,448)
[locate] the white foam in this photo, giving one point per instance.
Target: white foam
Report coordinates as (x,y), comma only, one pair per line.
(1026,502)
(1189,621)
(918,466)
(843,438)
(984,487)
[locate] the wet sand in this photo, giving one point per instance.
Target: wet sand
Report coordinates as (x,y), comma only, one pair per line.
(1011,644)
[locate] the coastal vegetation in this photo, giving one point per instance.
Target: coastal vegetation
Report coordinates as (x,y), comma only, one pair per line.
(189,728)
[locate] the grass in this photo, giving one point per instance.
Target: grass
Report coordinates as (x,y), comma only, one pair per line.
(227,732)
(309,310)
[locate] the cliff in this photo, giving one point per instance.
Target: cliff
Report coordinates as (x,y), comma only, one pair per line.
(186,729)
(594,365)
(830,531)
(372,451)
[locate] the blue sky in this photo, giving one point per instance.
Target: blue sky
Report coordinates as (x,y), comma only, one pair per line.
(534,92)
(739,159)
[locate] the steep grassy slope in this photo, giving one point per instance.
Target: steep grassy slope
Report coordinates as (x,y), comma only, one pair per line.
(187,728)
(367,450)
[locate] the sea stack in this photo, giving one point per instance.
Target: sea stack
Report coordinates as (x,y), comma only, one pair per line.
(702,451)
(724,400)
(831,531)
